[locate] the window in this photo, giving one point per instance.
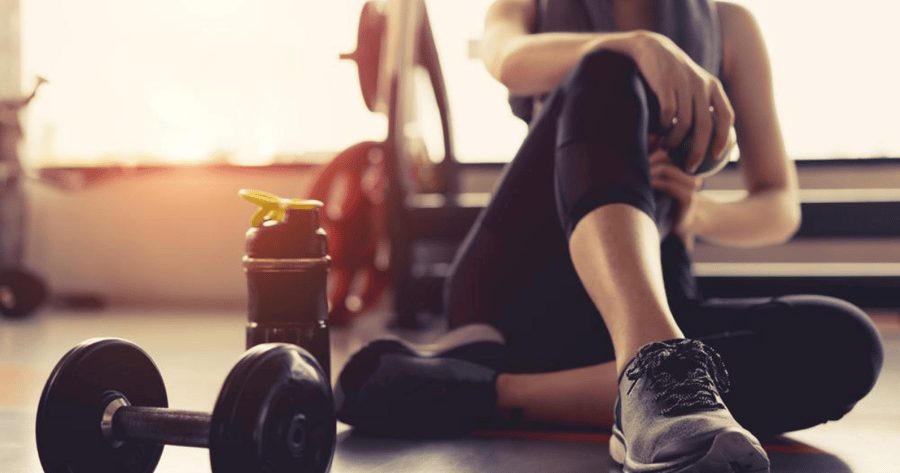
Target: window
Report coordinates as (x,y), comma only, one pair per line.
(834,69)
(254,82)
(835,75)
(177,81)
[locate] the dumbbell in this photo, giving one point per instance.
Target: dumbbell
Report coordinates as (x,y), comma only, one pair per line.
(104,409)
(20,292)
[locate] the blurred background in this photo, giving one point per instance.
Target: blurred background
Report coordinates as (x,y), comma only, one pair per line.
(156,113)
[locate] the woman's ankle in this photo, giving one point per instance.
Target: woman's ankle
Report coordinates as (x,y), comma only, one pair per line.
(629,350)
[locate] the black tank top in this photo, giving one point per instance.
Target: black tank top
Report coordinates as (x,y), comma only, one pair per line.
(692,24)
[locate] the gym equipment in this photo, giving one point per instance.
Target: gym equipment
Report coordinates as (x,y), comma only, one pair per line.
(286,264)
(103,409)
(356,228)
(21,292)
(372,24)
(387,231)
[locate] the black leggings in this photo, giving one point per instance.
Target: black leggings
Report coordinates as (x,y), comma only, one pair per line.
(795,361)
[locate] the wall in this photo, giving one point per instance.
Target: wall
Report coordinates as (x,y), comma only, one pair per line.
(10,50)
(168,237)
(175,236)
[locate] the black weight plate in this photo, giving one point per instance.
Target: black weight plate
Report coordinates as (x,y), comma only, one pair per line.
(26,291)
(69,438)
(274,414)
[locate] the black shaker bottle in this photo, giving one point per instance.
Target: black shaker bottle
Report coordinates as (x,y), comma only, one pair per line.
(286,264)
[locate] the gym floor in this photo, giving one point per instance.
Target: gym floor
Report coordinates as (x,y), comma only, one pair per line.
(194,351)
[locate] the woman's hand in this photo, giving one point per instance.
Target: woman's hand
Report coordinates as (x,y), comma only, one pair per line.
(689,96)
(665,176)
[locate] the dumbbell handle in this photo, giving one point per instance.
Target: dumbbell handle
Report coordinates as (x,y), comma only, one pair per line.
(123,422)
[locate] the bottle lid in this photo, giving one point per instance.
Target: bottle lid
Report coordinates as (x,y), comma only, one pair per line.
(284,228)
(272,207)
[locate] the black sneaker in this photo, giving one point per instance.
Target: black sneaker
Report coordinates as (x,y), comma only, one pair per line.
(390,388)
(670,417)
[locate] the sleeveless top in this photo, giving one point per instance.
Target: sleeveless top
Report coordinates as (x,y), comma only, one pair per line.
(692,24)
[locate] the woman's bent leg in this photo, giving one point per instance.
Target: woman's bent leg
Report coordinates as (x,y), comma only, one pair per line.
(606,203)
(608,213)
(795,361)
(586,151)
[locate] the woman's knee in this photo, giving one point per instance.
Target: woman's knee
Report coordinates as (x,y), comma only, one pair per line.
(844,338)
(601,142)
(604,94)
(805,360)
(603,66)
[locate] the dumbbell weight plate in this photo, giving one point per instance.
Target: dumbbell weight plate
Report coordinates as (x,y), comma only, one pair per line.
(274,414)
(69,438)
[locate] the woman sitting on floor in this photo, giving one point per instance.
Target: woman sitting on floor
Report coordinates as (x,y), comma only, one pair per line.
(573,298)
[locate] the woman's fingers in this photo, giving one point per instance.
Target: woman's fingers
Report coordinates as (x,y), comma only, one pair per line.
(668,108)
(688,95)
(659,156)
(667,177)
(702,110)
(723,117)
(701,132)
(681,125)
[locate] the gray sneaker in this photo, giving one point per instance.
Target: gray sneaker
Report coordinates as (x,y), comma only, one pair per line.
(670,417)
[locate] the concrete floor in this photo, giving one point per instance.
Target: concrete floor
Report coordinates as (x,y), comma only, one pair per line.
(195,350)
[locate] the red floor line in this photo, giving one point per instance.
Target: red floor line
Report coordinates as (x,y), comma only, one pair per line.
(544,435)
(782,445)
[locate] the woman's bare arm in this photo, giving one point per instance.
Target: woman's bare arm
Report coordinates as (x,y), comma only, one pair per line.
(770,213)
(533,64)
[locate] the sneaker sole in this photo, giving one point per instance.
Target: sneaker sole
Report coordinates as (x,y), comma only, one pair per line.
(731,452)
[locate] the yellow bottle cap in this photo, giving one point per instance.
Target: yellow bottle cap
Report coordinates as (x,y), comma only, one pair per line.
(272,207)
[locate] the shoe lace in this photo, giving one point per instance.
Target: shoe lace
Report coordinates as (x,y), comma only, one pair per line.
(685,374)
